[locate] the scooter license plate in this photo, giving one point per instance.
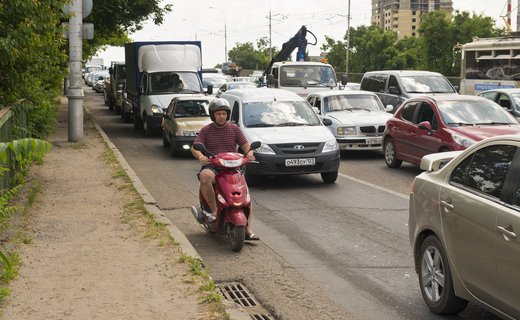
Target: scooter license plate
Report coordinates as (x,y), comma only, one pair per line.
(300,162)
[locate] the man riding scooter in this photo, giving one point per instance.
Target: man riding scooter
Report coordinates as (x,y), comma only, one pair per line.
(219,136)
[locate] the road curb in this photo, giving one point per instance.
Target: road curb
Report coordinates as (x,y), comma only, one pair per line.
(235,312)
(149,200)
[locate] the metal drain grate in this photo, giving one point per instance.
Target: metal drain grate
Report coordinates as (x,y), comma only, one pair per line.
(260,317)
(239,294)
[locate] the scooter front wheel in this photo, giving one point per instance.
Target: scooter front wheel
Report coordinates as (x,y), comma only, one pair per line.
(236,236)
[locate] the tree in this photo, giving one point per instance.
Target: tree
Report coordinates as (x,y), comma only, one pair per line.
(34,56)
(114,19)
(249,57)
(439,35)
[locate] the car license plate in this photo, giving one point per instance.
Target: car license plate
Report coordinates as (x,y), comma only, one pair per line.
(300,162)
(377,140)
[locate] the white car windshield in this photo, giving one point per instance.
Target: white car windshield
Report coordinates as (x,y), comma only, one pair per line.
(486,112)
(426,84)
(352,103)
(279,114)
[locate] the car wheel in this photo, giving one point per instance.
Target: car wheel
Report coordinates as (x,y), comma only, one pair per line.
(137,121)
(390,154)
(435,279)
(165,141)
(146,127)
(173,149)
(329,177)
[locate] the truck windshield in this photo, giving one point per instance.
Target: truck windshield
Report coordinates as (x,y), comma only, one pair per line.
(307,76)
(174,82)
(279,114)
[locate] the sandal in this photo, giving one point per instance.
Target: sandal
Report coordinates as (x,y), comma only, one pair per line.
(252,236)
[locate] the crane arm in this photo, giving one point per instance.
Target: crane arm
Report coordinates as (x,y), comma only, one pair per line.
(298,41)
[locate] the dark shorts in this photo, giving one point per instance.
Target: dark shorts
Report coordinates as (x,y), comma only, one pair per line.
(210,167)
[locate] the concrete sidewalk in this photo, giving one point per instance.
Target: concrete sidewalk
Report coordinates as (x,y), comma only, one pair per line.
(88,257)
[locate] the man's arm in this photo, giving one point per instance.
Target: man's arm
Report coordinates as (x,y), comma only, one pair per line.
(199,156)
(246,149)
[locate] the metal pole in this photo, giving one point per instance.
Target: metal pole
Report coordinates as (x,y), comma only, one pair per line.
(225,32)
(348,38)
(75,92)
(225,37)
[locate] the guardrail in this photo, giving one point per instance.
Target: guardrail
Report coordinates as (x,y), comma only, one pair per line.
(13,125)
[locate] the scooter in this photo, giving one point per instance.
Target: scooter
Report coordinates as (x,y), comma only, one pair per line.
(232,195)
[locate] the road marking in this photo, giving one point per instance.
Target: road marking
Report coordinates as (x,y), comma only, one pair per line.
(404,196)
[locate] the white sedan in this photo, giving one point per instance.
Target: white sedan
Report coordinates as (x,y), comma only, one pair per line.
(358,117)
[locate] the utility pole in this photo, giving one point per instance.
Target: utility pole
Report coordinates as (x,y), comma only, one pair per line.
(75,93)
(270,36)
(348,38)
(225,31)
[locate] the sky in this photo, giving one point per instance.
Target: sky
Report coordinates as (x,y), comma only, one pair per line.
(248,20)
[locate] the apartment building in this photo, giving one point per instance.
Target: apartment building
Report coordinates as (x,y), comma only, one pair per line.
(404,16)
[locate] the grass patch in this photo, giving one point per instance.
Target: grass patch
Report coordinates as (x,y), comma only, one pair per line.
(14,232)
(136,215)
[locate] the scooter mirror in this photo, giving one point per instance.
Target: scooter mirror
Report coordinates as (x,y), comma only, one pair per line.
(199,147)
(255,145)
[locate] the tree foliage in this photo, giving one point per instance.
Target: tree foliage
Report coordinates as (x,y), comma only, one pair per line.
(250,57)
(114,20)
(372,48)
(34,56)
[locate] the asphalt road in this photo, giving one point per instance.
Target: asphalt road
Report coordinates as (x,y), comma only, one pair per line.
(335,251)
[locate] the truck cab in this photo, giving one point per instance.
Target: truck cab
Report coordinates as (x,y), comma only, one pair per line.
(302,77)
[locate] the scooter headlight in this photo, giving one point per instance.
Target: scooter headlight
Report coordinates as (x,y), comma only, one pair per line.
(231,163)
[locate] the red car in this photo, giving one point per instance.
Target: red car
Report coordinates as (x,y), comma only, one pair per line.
(431,124)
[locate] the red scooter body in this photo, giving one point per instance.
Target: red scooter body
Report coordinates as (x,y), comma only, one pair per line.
(232,197)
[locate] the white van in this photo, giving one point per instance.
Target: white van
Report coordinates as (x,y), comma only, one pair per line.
(294,140)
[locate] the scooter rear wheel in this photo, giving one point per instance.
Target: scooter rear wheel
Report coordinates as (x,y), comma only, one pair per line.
(236,236)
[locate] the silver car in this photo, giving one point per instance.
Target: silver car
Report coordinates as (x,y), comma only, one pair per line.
(358,117)
(463,226)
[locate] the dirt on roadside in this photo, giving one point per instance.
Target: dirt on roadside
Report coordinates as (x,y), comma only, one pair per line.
(88,257)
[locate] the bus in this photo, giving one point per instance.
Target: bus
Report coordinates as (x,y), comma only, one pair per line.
(490,63)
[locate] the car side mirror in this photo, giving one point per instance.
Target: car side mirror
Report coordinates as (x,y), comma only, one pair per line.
(425,125)
(344,79)
(327,122)
(389,108)
(271,80)
(210,89)
(316,110)
(393,90)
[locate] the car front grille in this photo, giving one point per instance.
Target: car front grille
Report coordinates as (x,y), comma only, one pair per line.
(297,149)
(372,130)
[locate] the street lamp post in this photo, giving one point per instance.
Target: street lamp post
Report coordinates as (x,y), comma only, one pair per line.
(348,38)
(225,32)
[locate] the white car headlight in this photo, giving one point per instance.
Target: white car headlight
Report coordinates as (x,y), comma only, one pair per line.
(156,109)
(462,140)
(331,145)
(265,149)
(346,131)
